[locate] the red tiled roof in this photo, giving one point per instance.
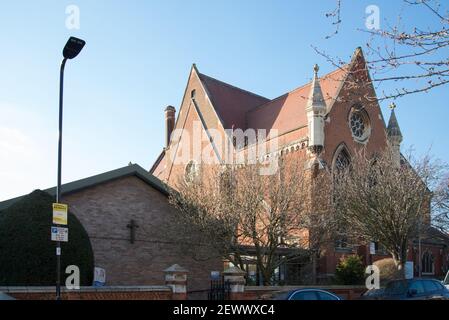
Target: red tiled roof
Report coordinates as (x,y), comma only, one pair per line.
(231,103)
(244,109)
(287,112)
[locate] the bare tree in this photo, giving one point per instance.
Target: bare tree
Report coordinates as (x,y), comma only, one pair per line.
(243,213)
(441,205)
(438,182)
(380,200)
(414,58)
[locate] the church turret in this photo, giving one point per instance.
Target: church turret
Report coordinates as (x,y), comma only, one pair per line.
(170,114)
(316,110)
(394,135)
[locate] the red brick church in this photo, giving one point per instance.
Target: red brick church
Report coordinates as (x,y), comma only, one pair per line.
(127,214)
(326,120)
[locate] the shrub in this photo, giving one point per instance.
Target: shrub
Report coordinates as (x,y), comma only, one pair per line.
(27,254)
(350,271)
(388,270)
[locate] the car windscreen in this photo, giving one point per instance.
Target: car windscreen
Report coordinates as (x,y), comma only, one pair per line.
(395,288)
(304,295)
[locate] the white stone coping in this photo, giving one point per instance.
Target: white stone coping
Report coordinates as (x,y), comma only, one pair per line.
(176,268)
(86,289)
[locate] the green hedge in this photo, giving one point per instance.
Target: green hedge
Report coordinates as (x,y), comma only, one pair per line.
(350,271)
(27,254)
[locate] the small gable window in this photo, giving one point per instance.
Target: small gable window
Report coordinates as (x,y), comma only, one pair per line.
(193,94)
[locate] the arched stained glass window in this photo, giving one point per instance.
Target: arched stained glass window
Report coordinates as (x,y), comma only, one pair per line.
(359,124)
(343,160)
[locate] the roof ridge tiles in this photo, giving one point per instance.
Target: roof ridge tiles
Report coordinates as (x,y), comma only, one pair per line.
(97,179)
(233,87)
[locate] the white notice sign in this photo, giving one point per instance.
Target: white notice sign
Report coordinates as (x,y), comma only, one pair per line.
(372,248)
(59,234)
(409,270)
(99,277)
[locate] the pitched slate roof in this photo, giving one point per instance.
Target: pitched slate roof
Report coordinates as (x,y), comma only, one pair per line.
(130,170)
(432,235)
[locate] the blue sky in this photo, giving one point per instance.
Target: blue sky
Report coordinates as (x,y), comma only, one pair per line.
(136,62)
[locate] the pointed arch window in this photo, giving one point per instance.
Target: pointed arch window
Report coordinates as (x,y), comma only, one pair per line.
(428,264)
(342,159)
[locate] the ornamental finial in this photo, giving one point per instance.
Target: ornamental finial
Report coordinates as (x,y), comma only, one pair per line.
(392,106)
(316,68)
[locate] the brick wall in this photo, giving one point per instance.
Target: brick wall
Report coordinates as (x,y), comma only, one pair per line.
(105,211)
(104,293)
(158,293)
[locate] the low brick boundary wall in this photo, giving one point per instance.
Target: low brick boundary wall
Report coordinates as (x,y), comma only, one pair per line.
(91,293)
(344,292)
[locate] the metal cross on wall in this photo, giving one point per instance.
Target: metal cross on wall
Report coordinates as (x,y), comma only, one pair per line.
(132,230)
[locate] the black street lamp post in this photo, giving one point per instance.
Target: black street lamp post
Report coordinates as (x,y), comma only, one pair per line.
(72,48)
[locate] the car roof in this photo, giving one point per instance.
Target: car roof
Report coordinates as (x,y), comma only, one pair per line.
(408,282)
(310,289)
(4,296)
(282,295)
(412,280)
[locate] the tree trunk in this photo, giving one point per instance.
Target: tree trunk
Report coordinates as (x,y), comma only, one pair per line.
(399,259)
(267,273)
(401,268)
(314,268)
(267,277)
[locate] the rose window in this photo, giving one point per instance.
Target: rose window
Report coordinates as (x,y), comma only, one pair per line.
(359,124)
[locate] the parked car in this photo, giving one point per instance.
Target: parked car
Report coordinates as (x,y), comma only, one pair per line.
(373,294)
(415,289)
(305,294)
(4,296)
(446,280)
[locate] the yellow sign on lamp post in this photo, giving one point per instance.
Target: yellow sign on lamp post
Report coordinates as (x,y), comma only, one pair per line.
(60,213)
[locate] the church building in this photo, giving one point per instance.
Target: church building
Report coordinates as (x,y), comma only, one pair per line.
(325,121)
(127,213)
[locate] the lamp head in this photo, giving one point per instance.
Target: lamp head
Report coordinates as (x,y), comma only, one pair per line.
(73,47)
